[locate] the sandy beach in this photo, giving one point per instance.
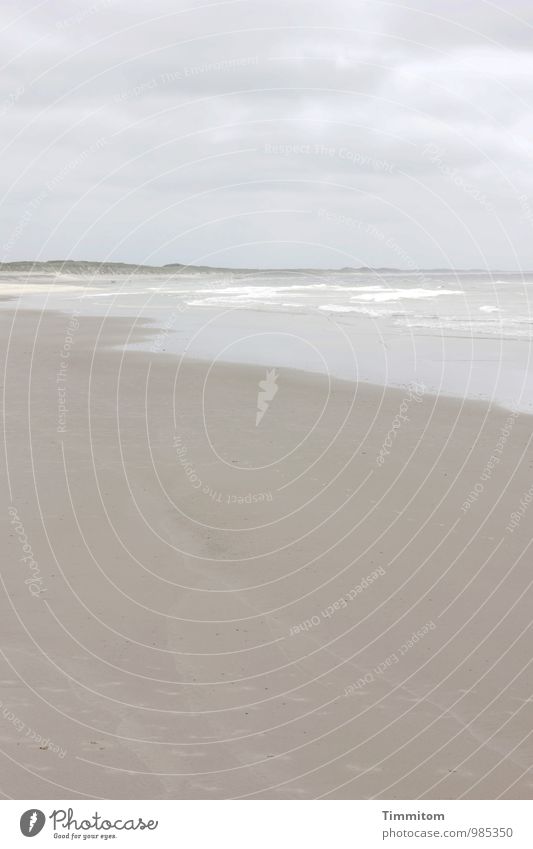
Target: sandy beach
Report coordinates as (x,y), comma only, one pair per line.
(333,602)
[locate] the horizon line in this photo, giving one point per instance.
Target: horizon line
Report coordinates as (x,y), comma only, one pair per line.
(186,266)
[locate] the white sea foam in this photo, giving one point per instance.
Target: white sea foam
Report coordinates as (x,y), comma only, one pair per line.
(418,316)
(242,290)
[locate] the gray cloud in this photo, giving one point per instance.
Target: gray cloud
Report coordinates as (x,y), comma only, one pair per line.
(224,132)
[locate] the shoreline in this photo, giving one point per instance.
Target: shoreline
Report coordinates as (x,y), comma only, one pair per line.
(466,341)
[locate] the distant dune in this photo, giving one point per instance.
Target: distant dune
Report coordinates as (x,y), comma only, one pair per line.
(83,268)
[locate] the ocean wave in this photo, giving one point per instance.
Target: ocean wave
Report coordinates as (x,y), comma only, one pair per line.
(401,294)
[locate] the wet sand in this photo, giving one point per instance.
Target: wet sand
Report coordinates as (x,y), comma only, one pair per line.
(334,602)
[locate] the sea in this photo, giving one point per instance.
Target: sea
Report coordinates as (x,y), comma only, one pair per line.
(466,334)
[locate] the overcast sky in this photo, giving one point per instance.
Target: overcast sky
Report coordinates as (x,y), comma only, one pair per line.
(321,133)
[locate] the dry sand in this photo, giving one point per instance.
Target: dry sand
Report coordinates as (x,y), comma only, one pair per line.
(190,619)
